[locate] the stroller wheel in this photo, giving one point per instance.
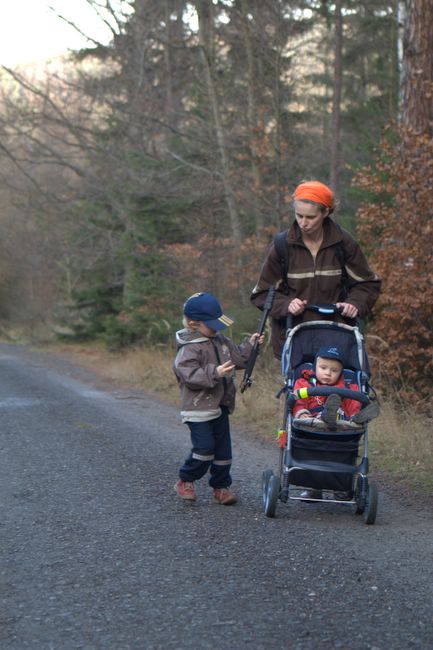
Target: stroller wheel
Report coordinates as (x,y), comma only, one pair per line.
(271,497)
(265,480)
(361,494)
(371,504)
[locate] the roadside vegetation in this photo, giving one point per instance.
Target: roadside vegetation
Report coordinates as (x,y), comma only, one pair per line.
(401,439)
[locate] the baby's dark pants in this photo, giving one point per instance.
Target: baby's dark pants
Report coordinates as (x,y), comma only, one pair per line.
(211,448)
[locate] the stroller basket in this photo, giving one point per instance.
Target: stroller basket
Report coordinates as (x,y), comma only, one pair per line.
(337,456)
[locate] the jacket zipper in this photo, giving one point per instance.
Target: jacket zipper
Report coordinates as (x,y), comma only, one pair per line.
(217,354)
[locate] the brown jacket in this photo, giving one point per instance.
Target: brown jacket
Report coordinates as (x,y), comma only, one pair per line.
(202,390)
(315,280)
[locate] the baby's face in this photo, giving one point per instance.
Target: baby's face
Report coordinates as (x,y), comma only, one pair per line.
(328,371)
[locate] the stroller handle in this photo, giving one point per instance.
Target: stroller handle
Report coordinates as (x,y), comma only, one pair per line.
(326,308)
(330,390)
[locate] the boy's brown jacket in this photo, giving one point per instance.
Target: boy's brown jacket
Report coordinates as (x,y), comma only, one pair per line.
(202,390)
(316,280)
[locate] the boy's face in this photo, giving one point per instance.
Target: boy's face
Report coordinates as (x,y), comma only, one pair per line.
(200,327)
(328,371)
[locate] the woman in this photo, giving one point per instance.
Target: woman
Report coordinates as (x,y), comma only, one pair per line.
(324,265)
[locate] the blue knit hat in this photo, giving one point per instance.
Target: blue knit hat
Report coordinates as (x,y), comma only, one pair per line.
(204,307)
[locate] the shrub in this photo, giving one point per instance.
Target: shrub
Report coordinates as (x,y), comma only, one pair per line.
(396,225)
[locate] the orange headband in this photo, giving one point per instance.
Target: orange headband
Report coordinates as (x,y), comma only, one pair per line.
(315,191)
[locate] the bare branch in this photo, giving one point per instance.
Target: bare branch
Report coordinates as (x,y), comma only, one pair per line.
(204,170)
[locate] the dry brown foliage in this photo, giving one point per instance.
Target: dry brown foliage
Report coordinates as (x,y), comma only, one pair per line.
(396,226)
(218,264)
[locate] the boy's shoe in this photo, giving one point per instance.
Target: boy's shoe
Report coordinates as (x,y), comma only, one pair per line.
(311,493)
(330,410)
(224,496)
(366,414)
(186,490)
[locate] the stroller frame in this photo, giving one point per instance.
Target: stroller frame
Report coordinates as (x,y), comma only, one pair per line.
(296,463)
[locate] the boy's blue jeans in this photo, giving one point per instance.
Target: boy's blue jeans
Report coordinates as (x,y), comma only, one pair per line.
(211,448)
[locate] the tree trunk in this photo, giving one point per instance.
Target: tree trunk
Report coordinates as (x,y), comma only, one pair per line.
(393,62)
(169,106)
(417,68)
(206,44)
(173,49)
(280,207)
(335,161)
(253,125)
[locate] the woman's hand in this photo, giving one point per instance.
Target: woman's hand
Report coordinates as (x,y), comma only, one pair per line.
(297,306)
(255,336)
(225,368)
(350,311)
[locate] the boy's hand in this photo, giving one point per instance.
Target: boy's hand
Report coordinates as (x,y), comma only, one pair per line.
(256,336)
(225,368)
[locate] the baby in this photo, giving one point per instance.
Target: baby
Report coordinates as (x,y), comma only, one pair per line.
(332,411)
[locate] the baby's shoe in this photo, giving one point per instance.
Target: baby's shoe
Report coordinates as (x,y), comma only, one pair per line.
(330,410)
(366,414)
(186,490)
(224,496)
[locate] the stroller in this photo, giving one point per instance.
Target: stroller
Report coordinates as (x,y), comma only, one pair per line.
(325,460)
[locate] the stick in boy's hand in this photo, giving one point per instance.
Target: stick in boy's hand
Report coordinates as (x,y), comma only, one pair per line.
(256,340)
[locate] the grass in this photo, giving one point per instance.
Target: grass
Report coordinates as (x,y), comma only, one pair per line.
(401,441)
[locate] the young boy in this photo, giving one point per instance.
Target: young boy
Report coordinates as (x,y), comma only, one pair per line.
(332,411)
(205,367)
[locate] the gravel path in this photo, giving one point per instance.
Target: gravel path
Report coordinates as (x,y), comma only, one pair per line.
(99,553)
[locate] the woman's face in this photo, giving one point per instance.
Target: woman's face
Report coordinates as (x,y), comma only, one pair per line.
(310,218)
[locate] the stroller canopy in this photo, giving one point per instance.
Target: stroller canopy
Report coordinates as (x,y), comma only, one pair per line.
(304,340)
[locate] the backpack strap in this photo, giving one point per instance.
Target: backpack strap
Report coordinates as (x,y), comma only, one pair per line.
(341,254)
(280,244)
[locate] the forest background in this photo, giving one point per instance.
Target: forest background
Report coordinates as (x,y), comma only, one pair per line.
(138,172)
